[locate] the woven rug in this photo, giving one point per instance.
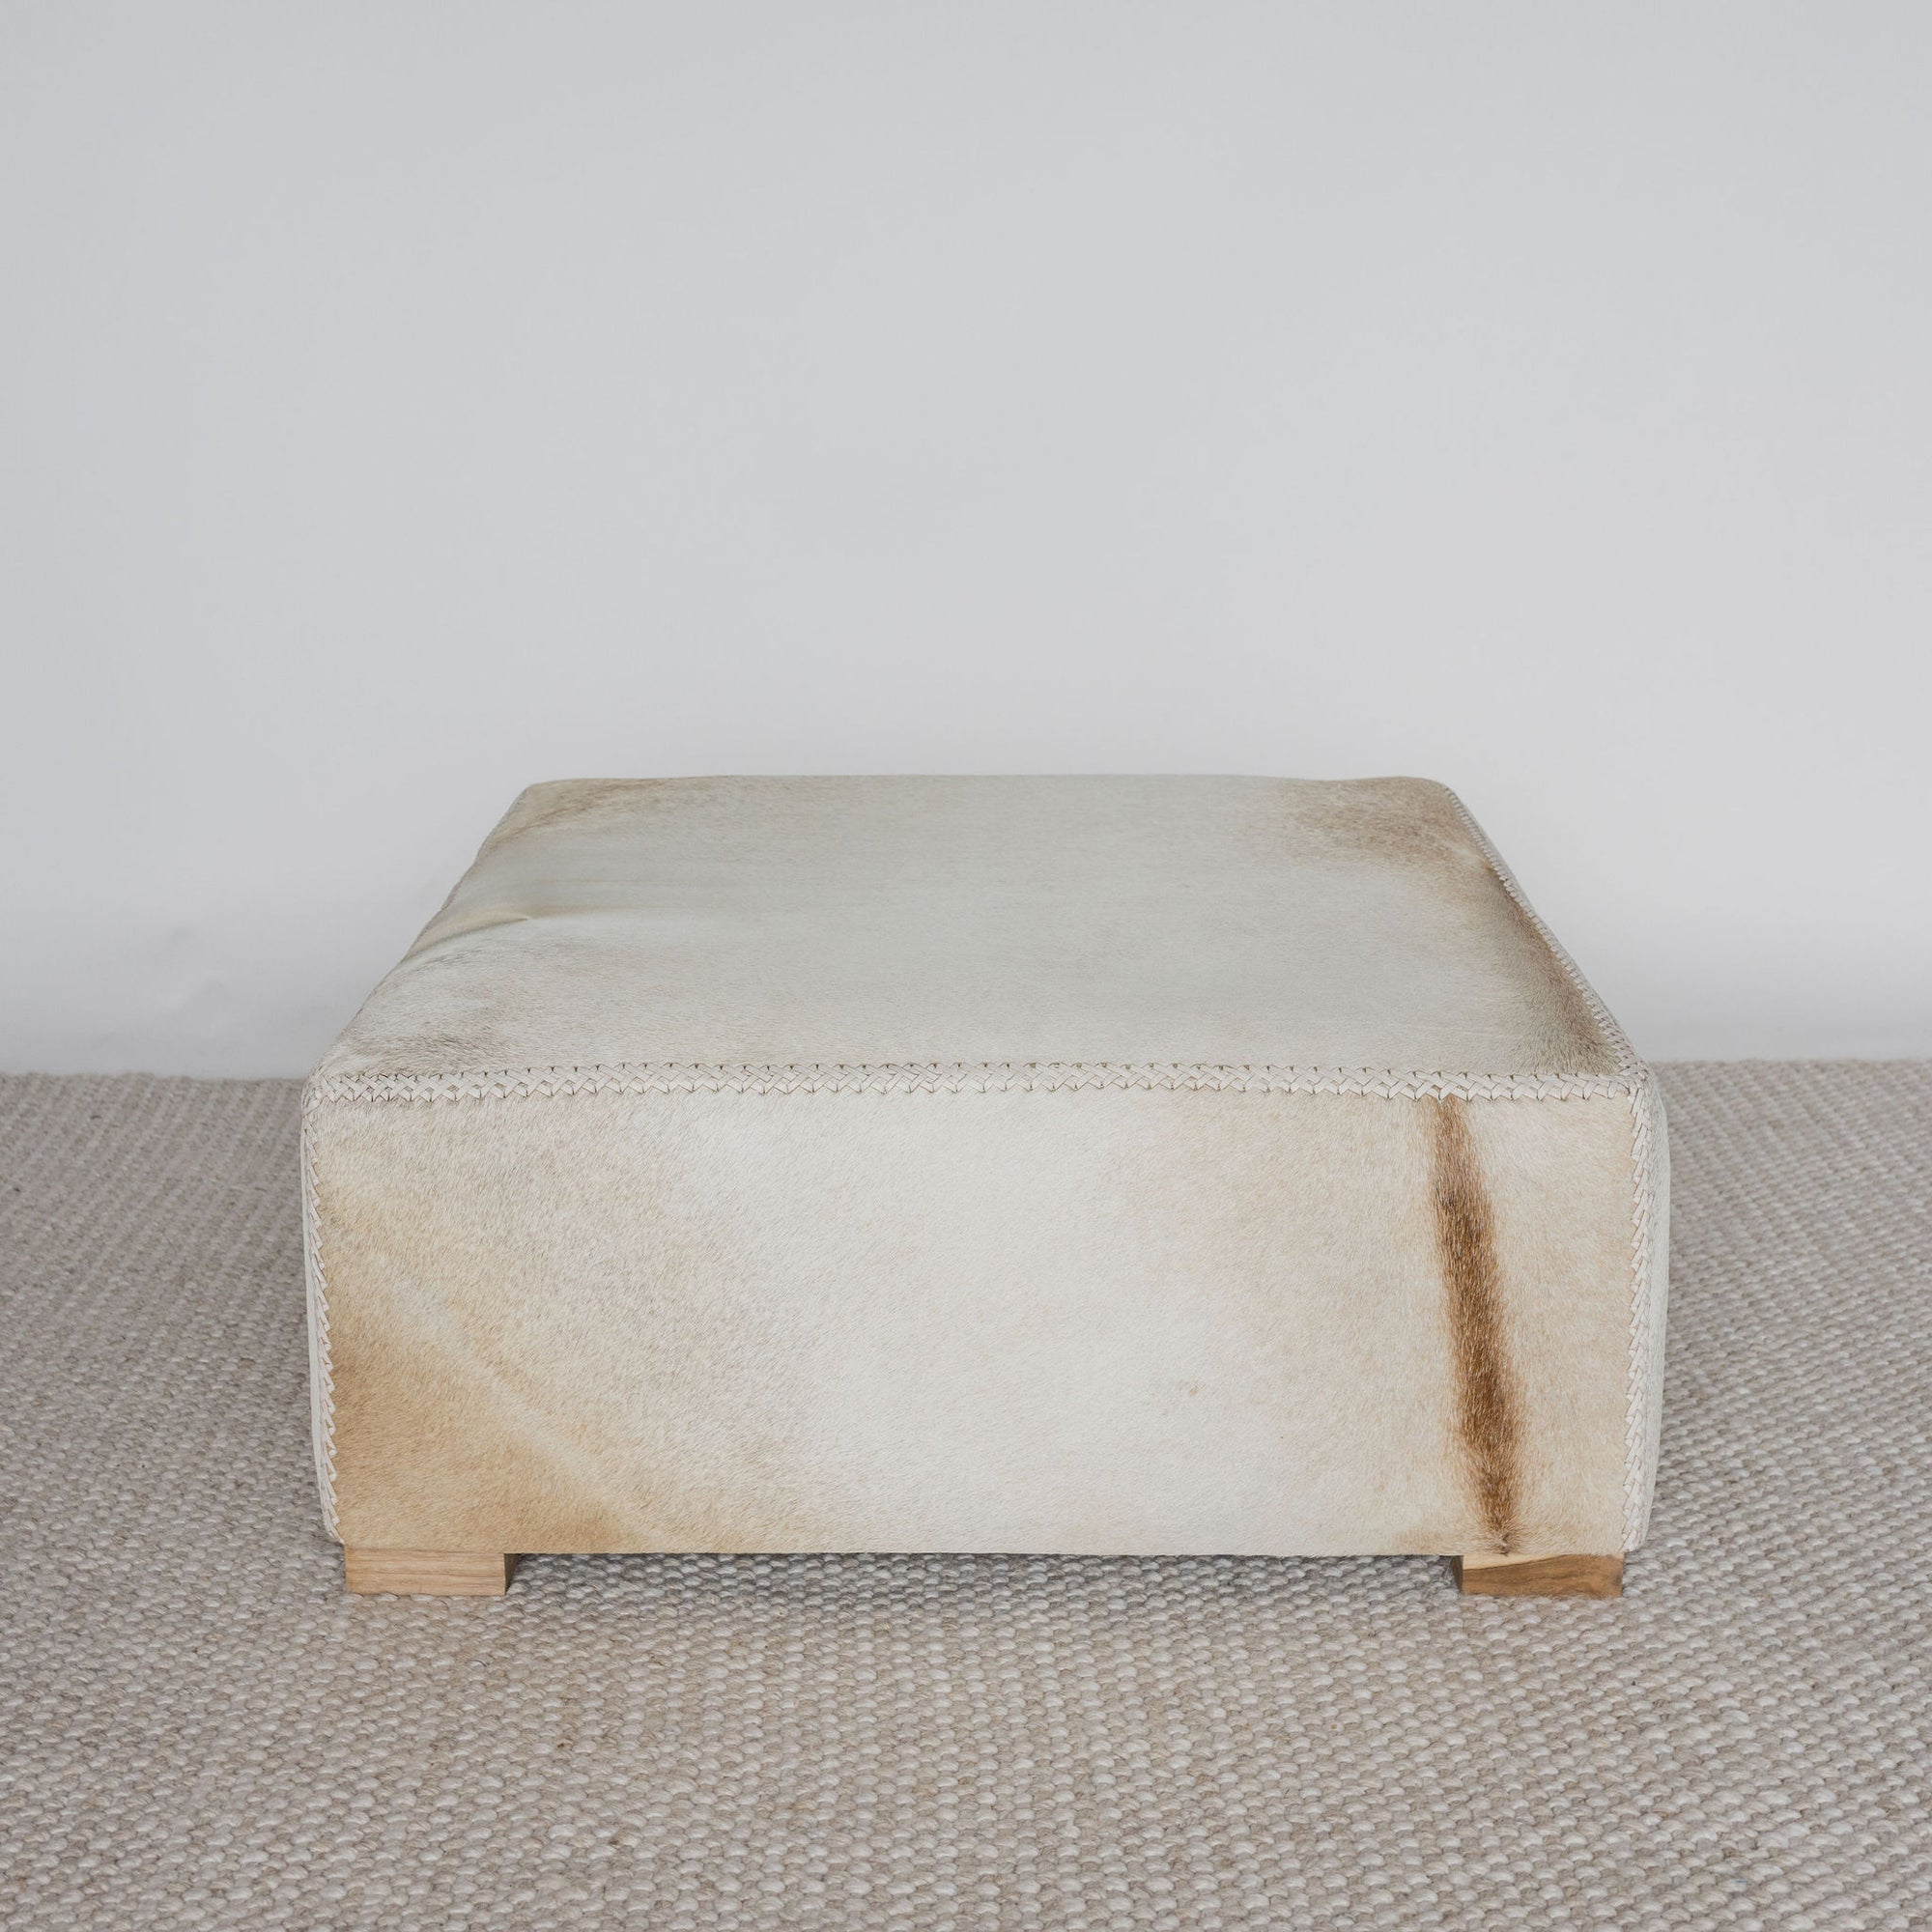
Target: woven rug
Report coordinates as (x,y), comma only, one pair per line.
(200,1729)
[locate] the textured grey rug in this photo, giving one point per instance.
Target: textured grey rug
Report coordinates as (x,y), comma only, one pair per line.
(199,1729)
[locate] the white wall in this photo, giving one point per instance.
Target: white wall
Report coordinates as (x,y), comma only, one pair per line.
(402,402)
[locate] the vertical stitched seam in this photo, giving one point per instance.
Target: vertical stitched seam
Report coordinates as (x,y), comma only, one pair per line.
(1636,1413)
(322,1371)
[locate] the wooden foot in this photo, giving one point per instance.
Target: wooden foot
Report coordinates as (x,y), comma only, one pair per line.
(427,1573)
(1539,1576)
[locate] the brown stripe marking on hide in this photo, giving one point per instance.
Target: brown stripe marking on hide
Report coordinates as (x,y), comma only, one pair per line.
(1488,1407)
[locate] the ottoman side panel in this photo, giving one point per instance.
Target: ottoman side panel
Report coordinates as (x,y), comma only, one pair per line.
(441,1421)
(1544,1270)
(1099,1319)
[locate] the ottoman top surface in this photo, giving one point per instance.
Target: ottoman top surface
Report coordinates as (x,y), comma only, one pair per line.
(849,921)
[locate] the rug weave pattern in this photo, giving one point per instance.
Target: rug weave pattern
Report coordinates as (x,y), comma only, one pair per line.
(198,1730)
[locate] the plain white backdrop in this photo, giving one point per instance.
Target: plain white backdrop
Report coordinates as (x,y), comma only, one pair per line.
(400,403)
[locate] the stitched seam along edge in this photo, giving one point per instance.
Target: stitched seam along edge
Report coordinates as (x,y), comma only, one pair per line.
(1646,1115)
(1626,1055)
(956,1077)
(321,1364)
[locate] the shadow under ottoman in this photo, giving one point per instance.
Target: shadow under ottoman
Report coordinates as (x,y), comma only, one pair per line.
(1172,1165)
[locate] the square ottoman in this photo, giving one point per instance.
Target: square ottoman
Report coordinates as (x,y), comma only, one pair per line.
(1102,1165)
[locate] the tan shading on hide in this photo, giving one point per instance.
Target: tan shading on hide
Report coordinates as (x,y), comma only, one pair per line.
(1489,1400)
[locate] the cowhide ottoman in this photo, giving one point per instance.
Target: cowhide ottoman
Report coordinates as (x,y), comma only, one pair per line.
(1176,1165)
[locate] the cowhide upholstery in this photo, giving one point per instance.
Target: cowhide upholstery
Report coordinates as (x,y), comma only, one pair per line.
(1086,1164)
